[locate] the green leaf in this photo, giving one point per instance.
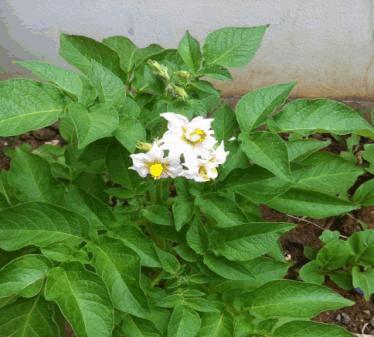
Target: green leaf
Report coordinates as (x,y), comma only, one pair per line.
(130,55)
(217,72)
(223,210)
(253,108)
(322,115)
(311,273)
(118,162)
(31,176)
(236,159)
(182,211)
(364,195)
(227,269)
(303,148)
(27,271)
(139,243)
(313,204)
(110,87)
(362,244)
(158,214)
(79,51)
(133,327)
(40,225)
(28,318)
(286,298)
(269,151)
(328,236)
(120,271)
(363,280)
(68,81)
(63,252)
(368,155)
(246,242)
(334,255)
(100,122)
(130,132)
(143,54)
(257,184)
(197,238)
(232,47)
(169,262)
(95,211)
(82,299)
(184,322)
(224,123)
(216,325)
(310,329)
(342,278)
(27,105)
(189,50)
(326,173)
(125,49)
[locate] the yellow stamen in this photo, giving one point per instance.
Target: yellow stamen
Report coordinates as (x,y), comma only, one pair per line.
(198,132)
(203,172)
(156,169)
(144,146)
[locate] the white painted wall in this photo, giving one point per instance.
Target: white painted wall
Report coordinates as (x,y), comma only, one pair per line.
(327,45)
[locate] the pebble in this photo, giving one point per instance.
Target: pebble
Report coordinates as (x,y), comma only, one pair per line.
(372,322)
(53,142)
(343,318)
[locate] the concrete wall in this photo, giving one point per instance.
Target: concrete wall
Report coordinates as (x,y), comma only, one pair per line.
(326,45)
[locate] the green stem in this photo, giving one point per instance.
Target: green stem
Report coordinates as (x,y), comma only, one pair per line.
(157,279)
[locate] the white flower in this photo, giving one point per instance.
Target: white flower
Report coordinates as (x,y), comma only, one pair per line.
(191,138)
(201,170)
(156,164)
(205,169)
(219,155)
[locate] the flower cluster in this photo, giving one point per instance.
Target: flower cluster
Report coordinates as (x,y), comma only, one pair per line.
(187,149)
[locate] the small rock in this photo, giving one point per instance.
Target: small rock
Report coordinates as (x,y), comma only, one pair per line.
(53,142)
(338,318)
(372,322)
(367,312)
(345,318)
(359,291)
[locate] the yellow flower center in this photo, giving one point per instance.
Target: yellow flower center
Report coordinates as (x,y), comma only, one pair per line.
(156,169)
(203,172)
(197,132)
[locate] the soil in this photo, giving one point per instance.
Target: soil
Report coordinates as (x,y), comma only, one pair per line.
(358,318)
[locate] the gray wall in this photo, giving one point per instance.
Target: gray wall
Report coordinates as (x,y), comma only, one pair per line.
(326,45)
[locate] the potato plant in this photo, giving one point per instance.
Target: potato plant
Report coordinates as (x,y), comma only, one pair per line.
(137,226)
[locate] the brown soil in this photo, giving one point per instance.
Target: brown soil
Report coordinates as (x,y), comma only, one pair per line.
(35,139)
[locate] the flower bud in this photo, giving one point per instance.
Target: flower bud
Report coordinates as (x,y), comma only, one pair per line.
(159,69)
(144,146)
(183,74)
(177,91)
